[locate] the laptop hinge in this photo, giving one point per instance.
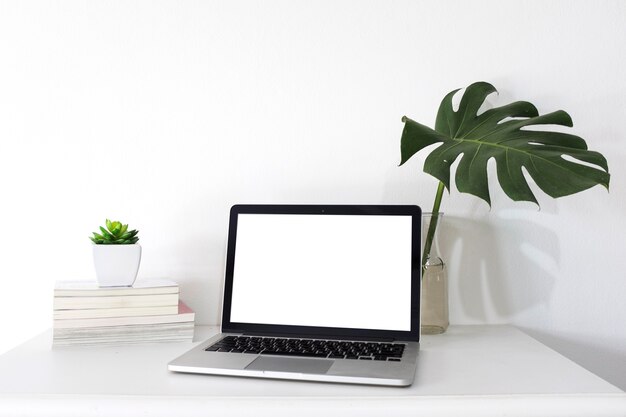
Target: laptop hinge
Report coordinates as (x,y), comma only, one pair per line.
(320,336)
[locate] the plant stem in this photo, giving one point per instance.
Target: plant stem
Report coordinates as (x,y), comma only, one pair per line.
(432,227)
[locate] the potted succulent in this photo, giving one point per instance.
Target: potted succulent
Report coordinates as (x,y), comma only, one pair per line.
(559,163)
(116,254)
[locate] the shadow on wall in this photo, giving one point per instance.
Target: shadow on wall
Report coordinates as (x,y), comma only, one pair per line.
(497,267)
(604,358)
(196,262)
(199,263)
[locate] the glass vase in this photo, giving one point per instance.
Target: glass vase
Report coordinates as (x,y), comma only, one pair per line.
(434,302)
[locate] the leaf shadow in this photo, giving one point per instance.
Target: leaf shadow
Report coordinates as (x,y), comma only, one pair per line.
(485,265)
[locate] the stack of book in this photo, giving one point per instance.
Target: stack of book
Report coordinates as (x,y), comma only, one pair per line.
(149,311)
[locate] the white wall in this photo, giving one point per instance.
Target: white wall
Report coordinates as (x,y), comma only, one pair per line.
(164,113)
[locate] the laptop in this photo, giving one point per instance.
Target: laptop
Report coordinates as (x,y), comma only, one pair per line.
(319,293)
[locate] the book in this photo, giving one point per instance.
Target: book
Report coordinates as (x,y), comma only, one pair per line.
(185,314)
(114,301)
(91,288)
(132,334)
(93,313)
(126,330)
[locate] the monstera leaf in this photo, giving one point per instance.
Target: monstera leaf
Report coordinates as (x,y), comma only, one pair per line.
(559,163)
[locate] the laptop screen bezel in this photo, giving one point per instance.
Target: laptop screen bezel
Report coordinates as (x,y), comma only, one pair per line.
(330,332)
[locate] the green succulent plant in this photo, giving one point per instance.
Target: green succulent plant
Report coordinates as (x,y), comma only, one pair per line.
(115,233)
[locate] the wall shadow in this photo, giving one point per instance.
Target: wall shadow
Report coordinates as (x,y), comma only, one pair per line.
(498,267)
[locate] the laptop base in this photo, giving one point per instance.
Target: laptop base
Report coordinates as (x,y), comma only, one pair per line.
(199,361)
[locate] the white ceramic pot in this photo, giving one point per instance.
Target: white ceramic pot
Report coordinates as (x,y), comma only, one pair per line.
(116,265)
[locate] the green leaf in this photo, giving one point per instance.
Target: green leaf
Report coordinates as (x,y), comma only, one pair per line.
(498,133)
(130,234)
(117,228)
(109,224)
(124,229)
(105,234)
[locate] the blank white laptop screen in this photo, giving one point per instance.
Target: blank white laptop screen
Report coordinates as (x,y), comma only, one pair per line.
(347,271)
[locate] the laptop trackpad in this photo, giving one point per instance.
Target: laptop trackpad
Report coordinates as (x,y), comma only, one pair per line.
(303,366)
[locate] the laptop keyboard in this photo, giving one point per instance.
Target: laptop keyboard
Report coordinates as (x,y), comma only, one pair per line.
(335,349)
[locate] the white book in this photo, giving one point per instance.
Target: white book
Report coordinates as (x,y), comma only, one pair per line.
(185,314)
(171,339)
(114,301)
(173,332)
(114,312)
(91,288)
(147,331)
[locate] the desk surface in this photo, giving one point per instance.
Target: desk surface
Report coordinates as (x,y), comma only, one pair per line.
(473,370)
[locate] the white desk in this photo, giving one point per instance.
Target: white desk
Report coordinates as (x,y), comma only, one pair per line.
(469,371)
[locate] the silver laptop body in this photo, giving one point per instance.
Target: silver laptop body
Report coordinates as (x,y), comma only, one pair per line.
(338,276)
